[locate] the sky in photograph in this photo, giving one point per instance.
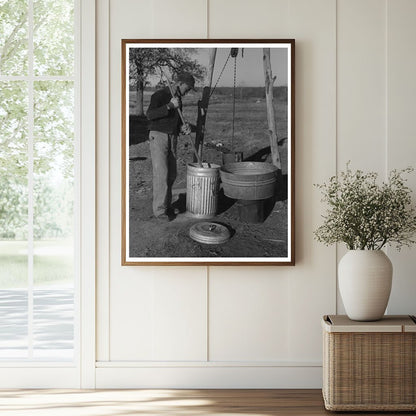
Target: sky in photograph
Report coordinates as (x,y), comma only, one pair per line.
(250,72)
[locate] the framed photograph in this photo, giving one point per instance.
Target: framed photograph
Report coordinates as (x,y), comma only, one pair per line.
(208,135)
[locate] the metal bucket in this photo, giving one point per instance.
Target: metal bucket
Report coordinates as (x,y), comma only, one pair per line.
(249,180)
(252,211)
(232,157)
(202,186)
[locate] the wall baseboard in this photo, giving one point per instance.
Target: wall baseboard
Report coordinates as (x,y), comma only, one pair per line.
(209,377)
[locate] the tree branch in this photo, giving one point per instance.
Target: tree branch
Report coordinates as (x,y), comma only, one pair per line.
(5,52)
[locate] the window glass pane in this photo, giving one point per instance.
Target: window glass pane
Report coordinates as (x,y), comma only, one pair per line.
(13,161)
(13,37)
(13,219)
(53,197)
(53,37)
(53,319)
(54,167)
(13,310)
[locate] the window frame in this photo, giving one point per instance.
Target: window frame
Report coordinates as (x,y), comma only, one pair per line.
(81,371)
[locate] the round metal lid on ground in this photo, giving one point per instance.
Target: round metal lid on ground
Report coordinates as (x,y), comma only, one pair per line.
(209,233)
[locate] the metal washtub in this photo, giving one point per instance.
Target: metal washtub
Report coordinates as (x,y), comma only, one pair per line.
(202,187)
(249,181)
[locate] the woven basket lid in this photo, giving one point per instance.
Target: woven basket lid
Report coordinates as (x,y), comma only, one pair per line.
(389,323)
(209,233)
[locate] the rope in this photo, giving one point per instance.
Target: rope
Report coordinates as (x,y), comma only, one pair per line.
(235,77)
(222,70)
(233,53)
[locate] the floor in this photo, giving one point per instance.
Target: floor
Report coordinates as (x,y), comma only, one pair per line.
(165,402)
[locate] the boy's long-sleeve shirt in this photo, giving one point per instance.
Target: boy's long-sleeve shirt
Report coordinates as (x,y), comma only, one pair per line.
(161,117)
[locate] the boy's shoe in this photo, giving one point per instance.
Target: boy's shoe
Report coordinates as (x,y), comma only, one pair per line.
(163,217)
(173,211)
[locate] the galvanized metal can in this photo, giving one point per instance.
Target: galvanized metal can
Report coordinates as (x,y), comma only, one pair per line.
(202,187)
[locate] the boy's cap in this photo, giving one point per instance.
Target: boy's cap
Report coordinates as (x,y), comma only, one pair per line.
(187,78)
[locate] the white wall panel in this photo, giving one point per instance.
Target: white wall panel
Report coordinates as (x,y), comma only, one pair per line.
(159,315)
(209,377)
(102,178)
(401,142)
(179,19)
(179,310)
(312,24)
(158,19)
(361,90)
(140,327)
(248,314)
(274,326)
(355,88)
(361,84)
(311,283)
(131,19)
(238,19)
(131,316)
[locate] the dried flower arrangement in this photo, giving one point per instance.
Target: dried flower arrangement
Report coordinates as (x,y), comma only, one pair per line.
(366,215)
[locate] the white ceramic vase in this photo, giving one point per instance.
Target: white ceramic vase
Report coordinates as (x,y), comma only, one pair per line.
(364,278)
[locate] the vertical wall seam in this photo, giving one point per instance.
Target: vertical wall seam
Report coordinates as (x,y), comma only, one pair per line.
(109,183)
(336,141)
(102,171)
(207,309)
(386,97)
(387,87)
(207,267)
(207,12)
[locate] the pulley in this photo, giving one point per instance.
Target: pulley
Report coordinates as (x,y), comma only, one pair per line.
(234,52)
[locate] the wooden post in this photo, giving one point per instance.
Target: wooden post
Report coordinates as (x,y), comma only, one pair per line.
(203,104)
(212,55)
(269,80)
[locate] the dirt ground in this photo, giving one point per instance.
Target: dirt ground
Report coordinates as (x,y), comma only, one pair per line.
(149,237)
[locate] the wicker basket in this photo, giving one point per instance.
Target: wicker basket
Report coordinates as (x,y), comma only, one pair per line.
(369,366)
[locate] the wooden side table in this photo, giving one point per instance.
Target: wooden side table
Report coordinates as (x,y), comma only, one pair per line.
(369,366)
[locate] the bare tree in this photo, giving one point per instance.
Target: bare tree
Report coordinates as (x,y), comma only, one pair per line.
(146,62)
(269,81)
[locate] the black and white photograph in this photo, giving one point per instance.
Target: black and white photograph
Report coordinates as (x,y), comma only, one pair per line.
(208,152)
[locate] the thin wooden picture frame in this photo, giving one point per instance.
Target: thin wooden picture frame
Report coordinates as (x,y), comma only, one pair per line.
(233,200)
